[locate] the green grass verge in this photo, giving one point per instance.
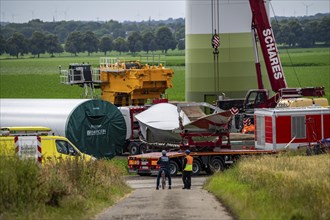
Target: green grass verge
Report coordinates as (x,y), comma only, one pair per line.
(121,163)
(282,187)
(65,190)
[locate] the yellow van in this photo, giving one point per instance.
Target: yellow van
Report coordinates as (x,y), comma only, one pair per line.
(38,143)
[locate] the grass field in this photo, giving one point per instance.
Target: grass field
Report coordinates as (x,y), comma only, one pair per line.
(307,67)
(39,78)
(276,187)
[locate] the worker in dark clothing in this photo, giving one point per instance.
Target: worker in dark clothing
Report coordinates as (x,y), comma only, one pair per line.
(164,163)
(187,170)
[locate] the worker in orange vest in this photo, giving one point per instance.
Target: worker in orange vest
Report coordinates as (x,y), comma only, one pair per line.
(187,170)
(248,127)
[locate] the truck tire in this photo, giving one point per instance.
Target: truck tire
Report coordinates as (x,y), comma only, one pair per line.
(209,170)
(173,168)
(217,165)
(197,167)
(143,148)
(133,148)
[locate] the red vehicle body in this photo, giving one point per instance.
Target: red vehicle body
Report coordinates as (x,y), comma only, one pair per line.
(275,128)
(133,145)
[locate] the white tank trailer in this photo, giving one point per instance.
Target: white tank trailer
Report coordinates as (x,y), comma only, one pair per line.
(96,127)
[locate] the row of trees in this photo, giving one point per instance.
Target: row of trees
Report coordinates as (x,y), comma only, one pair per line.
(38,44)
(37,37)
(116,29)
(302,32)
(77,42)
(162,40)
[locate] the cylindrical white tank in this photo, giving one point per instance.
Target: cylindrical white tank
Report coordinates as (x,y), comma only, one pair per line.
(237,72)
(96,127)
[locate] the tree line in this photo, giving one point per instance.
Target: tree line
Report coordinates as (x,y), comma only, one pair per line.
(302,31)
(162,38)
(38,37)
(77,42)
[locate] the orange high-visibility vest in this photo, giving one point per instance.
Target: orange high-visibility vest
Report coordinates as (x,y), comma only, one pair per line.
(248,129)
(189,163)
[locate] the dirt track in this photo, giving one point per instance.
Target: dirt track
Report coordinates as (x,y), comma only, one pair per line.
(145,202)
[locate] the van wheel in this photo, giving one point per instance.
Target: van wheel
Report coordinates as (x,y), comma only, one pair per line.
(133,148)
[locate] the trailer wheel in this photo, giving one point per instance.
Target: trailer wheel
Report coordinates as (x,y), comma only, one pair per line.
(197,167)
(173,168)
(143,148)
(209,170)
(217,165)
(133,148)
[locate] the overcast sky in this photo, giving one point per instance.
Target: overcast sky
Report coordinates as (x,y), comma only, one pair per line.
(20,11)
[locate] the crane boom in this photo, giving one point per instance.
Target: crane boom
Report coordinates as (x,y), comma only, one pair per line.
(263,29)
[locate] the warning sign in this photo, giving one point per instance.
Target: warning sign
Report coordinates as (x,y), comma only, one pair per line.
(28,147)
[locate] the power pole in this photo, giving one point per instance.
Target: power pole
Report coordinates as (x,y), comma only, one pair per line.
(307,8)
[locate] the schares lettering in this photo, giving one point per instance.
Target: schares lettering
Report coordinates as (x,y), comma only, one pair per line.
(272,54)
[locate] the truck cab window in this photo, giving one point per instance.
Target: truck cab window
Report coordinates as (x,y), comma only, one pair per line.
(251,100)
(65,147)
(61,147)
(71,150)
(261,97)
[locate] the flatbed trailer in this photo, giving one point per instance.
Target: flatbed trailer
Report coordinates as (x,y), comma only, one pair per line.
(211,144)
(210,162)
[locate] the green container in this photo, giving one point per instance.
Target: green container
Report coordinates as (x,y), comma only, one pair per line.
(97,128)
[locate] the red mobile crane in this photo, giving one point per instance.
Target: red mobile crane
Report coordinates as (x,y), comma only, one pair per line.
(216,160)
(259,98)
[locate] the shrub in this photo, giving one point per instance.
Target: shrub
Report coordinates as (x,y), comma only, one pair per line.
(25,187)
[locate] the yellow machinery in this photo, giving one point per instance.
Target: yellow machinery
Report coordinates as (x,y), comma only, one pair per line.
(122,82)
(132,83)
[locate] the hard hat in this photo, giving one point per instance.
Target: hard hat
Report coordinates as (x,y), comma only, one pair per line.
(187,151)
(164,152)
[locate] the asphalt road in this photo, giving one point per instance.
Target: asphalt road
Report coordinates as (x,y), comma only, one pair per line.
(145,202)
